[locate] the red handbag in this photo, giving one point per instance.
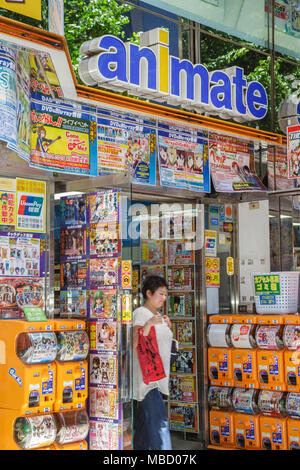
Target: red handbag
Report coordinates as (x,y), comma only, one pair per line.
(149,358)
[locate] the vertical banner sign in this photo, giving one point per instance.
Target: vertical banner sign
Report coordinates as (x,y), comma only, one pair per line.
(7,208)
(31,8)
(293,141)
(212,272)
(183,158)
(31,205)
(8,94)
(63,138)
(127,145)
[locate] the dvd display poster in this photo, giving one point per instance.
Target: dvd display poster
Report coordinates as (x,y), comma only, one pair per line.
(174,259)
(96,285)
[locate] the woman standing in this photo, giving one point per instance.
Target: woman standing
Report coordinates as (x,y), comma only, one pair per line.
(151,430)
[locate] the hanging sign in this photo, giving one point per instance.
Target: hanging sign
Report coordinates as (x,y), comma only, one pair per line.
(148,70)
(230,266)
(293,141)
(127,146)
(183,158)
(31,8)
(63,138)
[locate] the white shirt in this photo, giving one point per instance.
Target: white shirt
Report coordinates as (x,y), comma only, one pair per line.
(164,342)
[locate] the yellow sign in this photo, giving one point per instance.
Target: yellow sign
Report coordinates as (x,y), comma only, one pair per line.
(7,184)
(212,272)
(126,308)
(7,208)
(31,8)
(126,274)
(230,266)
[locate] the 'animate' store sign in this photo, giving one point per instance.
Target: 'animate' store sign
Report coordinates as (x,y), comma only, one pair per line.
(149,71)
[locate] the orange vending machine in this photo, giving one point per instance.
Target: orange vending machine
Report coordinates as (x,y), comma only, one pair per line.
(71,364)
(27,367)
(244,368)
(220,366)
(221,428)
(293,434)
(246,431)
(273,433)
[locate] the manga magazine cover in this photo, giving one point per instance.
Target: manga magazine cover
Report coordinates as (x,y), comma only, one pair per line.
(103,207)
(181,278)
(183,388)
(180,304)
(104,369)
(104,402)
(184,332)
(73,273)
(73,211)
(104,273)
(185,362)
(73,303)
(178,253)
(106,335)
(73,242)
(104,304)
(104,240)
(184,417)
(153,252)
(148,270)
(104,434)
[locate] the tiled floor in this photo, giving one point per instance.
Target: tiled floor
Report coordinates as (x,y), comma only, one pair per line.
(179,443)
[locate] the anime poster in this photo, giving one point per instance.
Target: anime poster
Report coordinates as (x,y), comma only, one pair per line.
(103,207)
(183,388)
(104,434)
(73,211)
(180,277)
(63,138)
(149,270)
(104,240)
(31,205)
(183,417)
(73,303)
(185,362)
(7,208)
(293,148)
(16,293)
(180,304)
(43,74)
(124,146)
(105,272)
(153,252)
(231,161)
(183,159)
(73,274)
(105,333)
(104,369)
(104,304)
(22,254)
(103,402)
(178,253)
(73,242)
(184,332)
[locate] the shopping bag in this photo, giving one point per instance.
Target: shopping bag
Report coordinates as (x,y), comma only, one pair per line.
(149,358)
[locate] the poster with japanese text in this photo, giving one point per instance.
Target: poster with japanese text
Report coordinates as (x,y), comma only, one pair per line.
(183,159)
(127,146)
(230,160)
(7,208)
(293,148)
(63,138)
(31,205)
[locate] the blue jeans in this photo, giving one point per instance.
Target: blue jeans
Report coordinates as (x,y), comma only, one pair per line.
(151,430)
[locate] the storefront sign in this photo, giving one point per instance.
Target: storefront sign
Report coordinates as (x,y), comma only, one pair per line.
(148,70)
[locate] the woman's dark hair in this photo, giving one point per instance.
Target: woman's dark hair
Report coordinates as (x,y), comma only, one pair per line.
(152,283)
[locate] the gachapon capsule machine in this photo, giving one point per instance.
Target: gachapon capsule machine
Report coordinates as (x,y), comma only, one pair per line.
(291,340)
(26,432)
(72,430)
(273,433)
(27,368)
(244,359)
(71,364)
(293,434)
(219,354)
(221,429)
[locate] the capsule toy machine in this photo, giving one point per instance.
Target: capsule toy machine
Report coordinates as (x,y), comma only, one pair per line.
(244,360)
(71,364)
(291,340)
(270,357)
(221,429)
(26,432)
(219,355)
(72,430)
(27,368)
(273,433)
